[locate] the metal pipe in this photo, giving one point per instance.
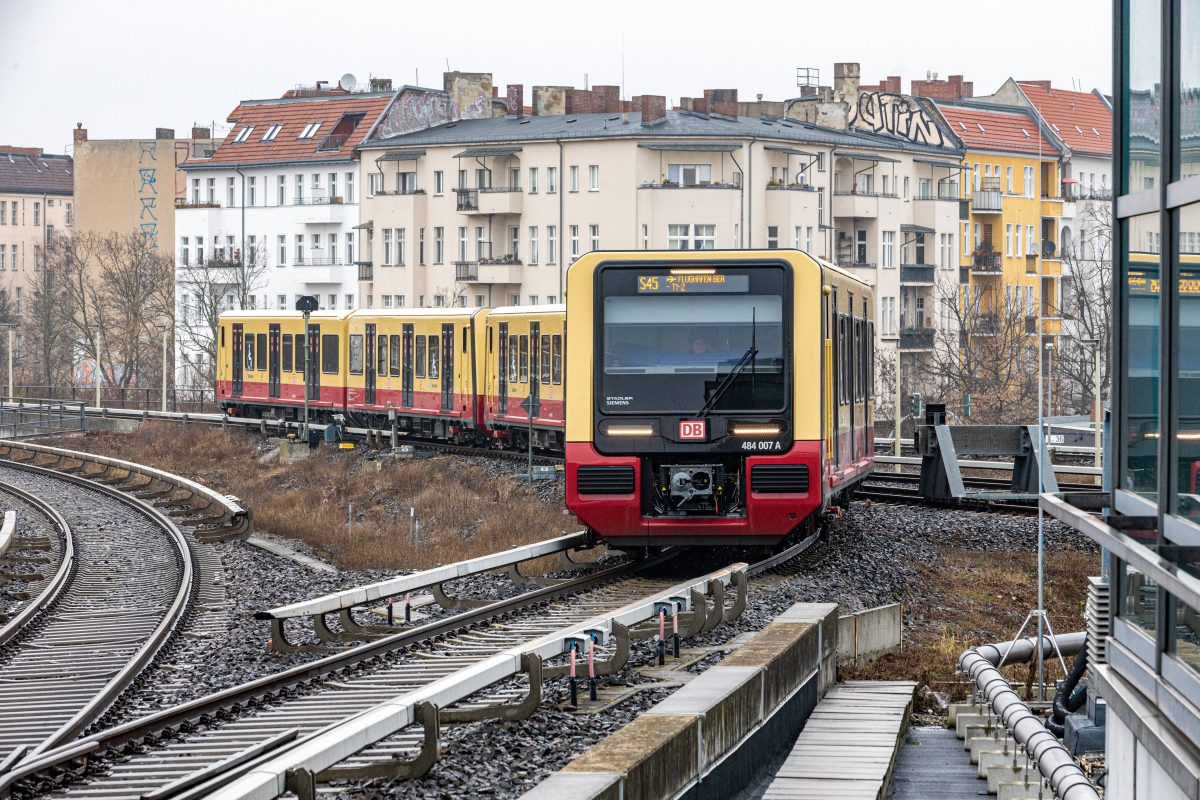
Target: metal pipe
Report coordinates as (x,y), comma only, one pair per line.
(1053,761)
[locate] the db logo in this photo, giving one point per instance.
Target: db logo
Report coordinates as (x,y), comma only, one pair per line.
(693,429)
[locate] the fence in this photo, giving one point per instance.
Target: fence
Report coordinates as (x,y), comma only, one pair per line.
(146,398)
(20,418)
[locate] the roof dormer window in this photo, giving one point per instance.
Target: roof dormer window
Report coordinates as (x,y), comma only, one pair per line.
(271,133)
(310,130)
(243,134)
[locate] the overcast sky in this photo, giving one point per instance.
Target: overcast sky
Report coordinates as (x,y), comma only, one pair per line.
(125,67)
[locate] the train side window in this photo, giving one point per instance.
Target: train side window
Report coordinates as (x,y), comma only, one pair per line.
(841,359)
(262,352)
(222,336)
(249,351)
(556,361)
(420,357)
(524,358)
(394,352)
(871,356)
(299,352)
(329,353)
(489,341)
(434,353)
(356,354)
(381,357)
(286,357)
(514,368)
(464,339)
(546,358)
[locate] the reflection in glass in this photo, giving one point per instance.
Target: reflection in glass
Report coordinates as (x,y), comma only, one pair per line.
(1188,112)
(1185,638)
(1186,403)
(1139,361)
(1142,136)
(1139,600)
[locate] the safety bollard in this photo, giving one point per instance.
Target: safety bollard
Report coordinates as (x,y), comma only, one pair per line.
(391,610)
(408,607)
(574,688)
(592,670)
(675,633)
(662,638)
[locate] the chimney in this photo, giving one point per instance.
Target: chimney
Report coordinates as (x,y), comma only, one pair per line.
(550,100)
(606,99)
(164,133)
(699,105)
(380,84)
(654,109)
(201,133)
(722,101)
(515,98)
(80,133)
(845,79)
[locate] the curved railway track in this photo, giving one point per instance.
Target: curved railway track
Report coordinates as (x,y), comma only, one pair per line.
(119,594)
(44,575)
(178,751)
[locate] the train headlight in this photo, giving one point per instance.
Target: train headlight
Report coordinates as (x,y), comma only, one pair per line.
(629,430)
(756,430)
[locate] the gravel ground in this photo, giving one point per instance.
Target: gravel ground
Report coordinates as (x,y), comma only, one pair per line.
(21,573)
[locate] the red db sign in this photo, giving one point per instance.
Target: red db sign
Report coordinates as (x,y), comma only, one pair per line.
(693,429)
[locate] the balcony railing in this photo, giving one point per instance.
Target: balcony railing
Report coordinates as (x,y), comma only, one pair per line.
(985,261)
(855,192)
(334,141)
(987,201)
(181,203)
(337,200)
(508,259)
(466,270)
(468,199)
(366,270)
(319,261)
(916,273)
(386,192)
(916,338)
(700,185)
(791,187)
(498,189)
(943,193)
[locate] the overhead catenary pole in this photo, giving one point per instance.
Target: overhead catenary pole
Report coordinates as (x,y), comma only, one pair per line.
(165,330)
(11,337)
(896,429)
(307,372)
(99,347)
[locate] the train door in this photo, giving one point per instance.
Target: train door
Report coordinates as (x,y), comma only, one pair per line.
(369,374)
(273,371)
(237,358)
(852,375)
(535,360)
(502,372)
(406,368)
(313,341)
(447,367)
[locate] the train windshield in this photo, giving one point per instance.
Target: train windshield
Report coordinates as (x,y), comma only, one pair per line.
(670,353)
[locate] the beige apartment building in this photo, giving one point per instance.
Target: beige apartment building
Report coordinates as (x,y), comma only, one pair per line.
(36,204)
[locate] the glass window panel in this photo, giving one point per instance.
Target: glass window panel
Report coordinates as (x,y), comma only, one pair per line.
(1141,138)
(1187,401)
(1139,600)
(1188,114)
(1185,633)
(356,353)
(1139,361)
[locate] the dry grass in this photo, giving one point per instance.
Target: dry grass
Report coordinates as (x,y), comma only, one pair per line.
(463,510)
(977,597)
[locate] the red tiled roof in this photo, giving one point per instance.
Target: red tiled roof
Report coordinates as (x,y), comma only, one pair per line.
(1065,110)
(23,173)
(294,114)
(982,129)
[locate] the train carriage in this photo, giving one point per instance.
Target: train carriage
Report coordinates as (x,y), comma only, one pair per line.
(420,363)
(715,397)
(260,363)
(524,360)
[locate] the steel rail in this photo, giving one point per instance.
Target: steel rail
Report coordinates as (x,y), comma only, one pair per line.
(55,585)
(150,646)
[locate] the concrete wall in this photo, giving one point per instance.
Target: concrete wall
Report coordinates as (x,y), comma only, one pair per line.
(870,633)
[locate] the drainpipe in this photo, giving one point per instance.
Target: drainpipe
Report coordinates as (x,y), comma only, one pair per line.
(1053,761)
(750,198)
(562,232)
(742,198)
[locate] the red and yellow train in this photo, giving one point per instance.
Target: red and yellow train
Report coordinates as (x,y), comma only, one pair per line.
(714,397)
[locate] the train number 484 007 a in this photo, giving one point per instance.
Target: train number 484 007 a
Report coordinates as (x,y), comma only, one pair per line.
(761,446)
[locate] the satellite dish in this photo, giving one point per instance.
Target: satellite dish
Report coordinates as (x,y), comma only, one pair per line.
(348,82)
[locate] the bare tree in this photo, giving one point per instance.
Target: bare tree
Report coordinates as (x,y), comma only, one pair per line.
(203,290)
(48,337)
(1087,306)
(136,293)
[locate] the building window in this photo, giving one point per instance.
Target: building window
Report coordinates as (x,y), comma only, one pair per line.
(183,251)
(551,179)
(195,198)
(282,250)
(439,182)
(244,134)
(514,179)
(533,244)
(333,253)
(400,242)
(594,233)
(310,130)
(887,315)
(887,250)
(462,244)
(808,239)
(594,178)
(439,301)
(689,174)
(483,178)
(387,247)
(482,247)
(645,237)
(551,244)
(439,244)
(252,187)
(421,246)
(387,301)
(533,171)
(905,187)
(573,176)
(299,248)
(574,241)
(773,237)
(374,183)
(691,237)
(514,242)
(229,193)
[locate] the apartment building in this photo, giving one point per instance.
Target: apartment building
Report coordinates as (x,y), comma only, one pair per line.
(36,204)
(1012,188)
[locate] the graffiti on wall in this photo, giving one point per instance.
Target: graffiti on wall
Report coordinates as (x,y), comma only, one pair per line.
(898,115)
(147,191)
(418,110)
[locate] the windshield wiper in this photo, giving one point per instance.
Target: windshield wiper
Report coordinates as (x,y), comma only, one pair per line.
(747,358)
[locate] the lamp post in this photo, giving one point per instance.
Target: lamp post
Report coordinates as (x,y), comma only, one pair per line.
(99,369)
(306,304)
(896,429)
(12,332)
(1050,378)
(1098,408)
(164,329)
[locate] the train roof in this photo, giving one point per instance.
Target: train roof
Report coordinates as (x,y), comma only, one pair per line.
(268,314)
(443,311)
(549,308)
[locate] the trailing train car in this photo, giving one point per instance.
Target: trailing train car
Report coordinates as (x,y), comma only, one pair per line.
(524,361)
(420,363)
(715,397)
(260,363)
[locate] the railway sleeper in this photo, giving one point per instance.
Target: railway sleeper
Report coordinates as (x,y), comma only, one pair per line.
(303,782)
(531,665)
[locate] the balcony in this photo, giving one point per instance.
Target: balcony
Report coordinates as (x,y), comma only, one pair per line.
(858,205)
(790,187)
(987,201)
(334,141)
(366,270)
(986,262)
(324,271)
(1052,207)
(946,193)
(182,203)
(490,200)
(391,192)
(916,274)
(319,211)
(494,270)
(705,185)
(916,339)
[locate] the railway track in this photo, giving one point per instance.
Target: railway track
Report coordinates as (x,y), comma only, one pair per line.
(880,492)
(120,591)
(193,749)
(38,563)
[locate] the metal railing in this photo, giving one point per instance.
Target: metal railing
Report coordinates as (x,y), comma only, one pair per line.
(985,261)
(916,273)
(498,189)
(146,398)
(916,339)
(394,192)
(989,201)
(20,417)
(468,199)
(466,270)
(181,203)
(336,200)
(943,193)
(366,270)
(320,261)
(333,141)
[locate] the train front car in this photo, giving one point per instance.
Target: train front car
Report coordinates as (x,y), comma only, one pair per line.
(694,397)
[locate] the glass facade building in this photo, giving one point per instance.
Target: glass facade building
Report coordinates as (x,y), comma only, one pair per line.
(1150,521)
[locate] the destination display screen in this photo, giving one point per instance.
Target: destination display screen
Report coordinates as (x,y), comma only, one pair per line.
(1140,282)
(692,283)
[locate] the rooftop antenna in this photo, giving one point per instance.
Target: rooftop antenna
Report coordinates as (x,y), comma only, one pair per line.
(624,113)
(447,65)
(348,82)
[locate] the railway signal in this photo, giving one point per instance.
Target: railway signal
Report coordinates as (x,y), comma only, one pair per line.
(306,304)
(531,406)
